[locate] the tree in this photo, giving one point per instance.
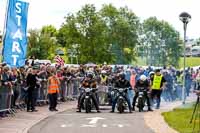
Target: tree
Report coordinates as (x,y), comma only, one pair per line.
(122,32)
(48,41)
(105,36)
(49,30)
(162,42)
(42,43)
(87,29)
(33,43)
(68,33)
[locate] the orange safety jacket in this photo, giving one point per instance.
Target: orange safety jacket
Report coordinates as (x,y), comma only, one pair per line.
(53,85)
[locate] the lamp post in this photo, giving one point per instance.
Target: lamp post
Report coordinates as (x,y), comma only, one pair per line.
(185,18)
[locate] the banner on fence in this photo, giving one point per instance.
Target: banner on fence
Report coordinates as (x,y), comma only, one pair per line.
(15,38)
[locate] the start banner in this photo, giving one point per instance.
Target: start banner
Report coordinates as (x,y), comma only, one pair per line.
(15,37)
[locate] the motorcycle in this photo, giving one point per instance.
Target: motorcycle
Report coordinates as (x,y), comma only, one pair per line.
(88,103)
(121,102)
(141,98)
(110,95)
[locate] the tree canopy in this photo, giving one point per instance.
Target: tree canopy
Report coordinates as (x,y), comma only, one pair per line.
(112,35)
(161,43)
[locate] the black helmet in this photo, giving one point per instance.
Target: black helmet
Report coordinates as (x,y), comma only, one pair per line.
(90,75)
(122,75)
(157,70)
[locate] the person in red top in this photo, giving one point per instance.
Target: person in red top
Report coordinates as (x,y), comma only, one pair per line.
(133,79)
(132,82)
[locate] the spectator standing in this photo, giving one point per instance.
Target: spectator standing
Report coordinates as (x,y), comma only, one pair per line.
(32,84)
(53,90)
(15,85)
(198,80)
(132,82)
(188,82)
(6,89)
(157,85)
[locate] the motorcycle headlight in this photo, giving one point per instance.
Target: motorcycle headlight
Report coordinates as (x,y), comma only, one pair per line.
(87,90)
(112,92)
(121,90)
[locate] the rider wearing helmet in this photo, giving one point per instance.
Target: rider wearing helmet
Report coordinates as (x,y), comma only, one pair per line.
(88,82)
(103,78)
(142,83)
(122,83)
(151,74)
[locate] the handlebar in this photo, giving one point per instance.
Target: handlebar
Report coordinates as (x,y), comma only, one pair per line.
(118,89)
(90,89)
(140,88)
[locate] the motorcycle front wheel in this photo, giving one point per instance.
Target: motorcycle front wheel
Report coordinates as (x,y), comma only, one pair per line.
(140,104)
(87,105)
(121,106)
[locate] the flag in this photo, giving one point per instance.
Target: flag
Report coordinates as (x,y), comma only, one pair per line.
(59,61)
(15,37)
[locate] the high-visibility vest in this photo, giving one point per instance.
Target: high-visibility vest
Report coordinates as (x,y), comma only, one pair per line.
(103,79)
(53,85)
(157,82)
(180,79)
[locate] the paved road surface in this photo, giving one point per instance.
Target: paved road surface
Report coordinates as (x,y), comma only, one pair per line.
(105,122)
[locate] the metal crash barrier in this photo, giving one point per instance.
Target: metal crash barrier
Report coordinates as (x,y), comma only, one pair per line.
(15,99)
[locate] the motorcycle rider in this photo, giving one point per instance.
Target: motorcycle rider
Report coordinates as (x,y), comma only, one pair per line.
(88,82)
(142,83)
(122,83)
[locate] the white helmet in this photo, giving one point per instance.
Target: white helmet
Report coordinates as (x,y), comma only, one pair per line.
(143,77)
(103,72)
(151,73)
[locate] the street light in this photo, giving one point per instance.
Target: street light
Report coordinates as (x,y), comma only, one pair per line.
(185,18)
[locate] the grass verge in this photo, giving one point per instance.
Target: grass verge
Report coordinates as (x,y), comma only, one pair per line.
(190,62)
(179,119)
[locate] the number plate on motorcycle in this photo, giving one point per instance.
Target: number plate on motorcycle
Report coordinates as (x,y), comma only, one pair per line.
(141,93)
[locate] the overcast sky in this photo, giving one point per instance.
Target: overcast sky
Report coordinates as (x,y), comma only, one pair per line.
(44,12)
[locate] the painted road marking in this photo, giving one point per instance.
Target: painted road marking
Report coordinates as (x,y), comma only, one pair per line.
(68,125)
(88,125)
(119,125)
(63,125)
(104,125)
(65,114)
(94,125)
(94,120)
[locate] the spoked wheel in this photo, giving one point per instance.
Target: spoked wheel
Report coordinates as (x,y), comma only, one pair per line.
(120,106)
(140,104)
(87,106)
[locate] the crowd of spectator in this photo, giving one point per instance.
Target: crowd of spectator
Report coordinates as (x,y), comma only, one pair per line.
(15,90)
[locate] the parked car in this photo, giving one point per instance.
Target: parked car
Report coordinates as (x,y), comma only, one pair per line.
(196,51)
